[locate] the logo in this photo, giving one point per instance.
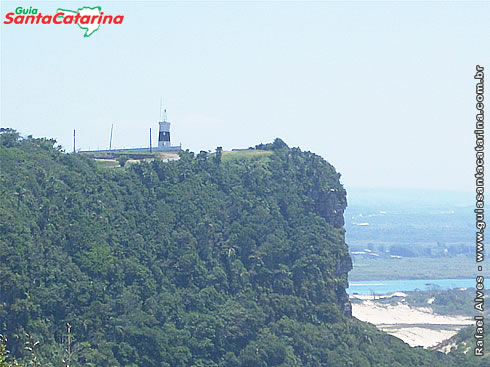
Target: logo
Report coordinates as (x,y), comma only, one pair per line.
(87,18)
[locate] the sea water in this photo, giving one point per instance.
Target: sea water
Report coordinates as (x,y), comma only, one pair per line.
(390,286)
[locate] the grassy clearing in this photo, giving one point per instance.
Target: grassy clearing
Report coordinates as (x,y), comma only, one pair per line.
(106,163)
(245,154)
(116,154)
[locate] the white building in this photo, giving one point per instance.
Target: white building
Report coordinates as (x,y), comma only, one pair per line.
(164,133)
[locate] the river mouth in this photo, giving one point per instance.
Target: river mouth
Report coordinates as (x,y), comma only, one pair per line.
(391,286)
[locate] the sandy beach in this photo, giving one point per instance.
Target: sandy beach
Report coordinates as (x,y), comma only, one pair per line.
(417,326)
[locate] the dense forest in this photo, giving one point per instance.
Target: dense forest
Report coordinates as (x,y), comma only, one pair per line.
(210,260)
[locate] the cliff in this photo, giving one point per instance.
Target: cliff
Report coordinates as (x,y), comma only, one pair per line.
(213,260)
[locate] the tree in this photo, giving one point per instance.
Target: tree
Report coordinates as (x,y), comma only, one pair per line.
(9,137)
(122,160)
(218,155)
(3,352)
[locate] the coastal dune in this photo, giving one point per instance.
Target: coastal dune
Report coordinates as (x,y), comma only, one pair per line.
(417,326)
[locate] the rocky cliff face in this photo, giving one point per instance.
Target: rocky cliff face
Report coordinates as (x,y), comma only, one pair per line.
(343,268)
(330,204)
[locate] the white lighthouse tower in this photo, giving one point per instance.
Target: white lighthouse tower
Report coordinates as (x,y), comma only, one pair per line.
(164,131)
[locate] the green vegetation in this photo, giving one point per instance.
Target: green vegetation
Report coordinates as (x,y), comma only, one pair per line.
(122,160)
(453,302)
(412,268)
(195,262)
(445,302)
(464,342)
(3,351)
(245,154)
(107,163)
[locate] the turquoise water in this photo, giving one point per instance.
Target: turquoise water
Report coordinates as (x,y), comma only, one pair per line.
(390,286)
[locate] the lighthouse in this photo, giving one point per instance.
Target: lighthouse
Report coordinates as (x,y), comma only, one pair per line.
(163,142)
(164,131)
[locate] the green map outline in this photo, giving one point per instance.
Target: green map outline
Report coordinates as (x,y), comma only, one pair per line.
(78,11)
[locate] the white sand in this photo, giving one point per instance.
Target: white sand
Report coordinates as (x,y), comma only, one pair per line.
(415,326)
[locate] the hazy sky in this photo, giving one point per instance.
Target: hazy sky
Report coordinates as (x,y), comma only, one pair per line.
(383,90)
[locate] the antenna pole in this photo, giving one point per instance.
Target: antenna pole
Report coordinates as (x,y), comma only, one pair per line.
(73,141)
(110,140)
(150,140)
(161,104)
